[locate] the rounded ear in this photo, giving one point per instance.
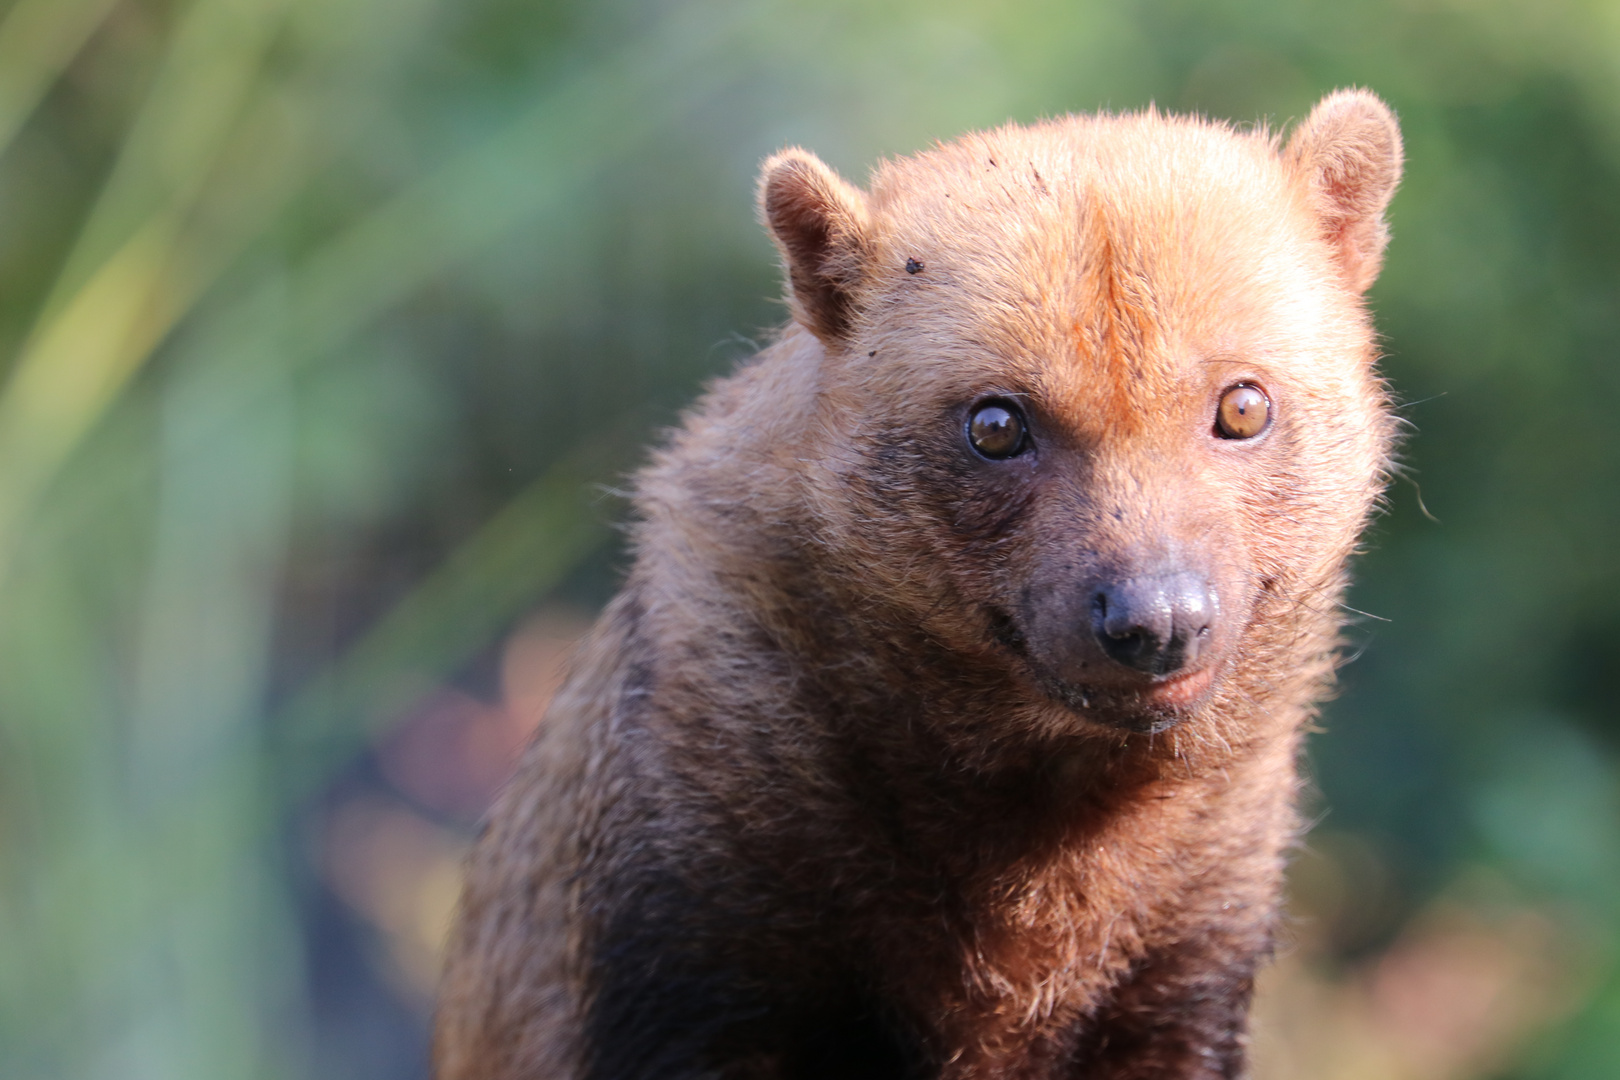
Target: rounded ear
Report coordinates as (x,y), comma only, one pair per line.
(819,223)
(1349,152)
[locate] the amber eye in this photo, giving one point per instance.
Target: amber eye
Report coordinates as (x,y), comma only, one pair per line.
(1244,413)
(996,429)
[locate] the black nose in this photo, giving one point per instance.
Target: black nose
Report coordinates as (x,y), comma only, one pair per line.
(1154,624)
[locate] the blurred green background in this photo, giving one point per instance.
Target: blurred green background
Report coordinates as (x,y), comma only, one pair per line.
(331,326)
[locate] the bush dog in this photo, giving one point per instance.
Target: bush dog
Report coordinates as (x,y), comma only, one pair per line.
(947,722)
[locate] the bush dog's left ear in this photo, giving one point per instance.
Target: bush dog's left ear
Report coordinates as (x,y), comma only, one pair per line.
(819,223)
(1349,152)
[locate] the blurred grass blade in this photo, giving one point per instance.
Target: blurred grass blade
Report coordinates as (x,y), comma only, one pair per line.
(38,39)
(206,78)
(79,364)
(128,280)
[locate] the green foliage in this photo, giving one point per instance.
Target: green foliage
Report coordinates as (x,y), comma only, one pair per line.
(322,318)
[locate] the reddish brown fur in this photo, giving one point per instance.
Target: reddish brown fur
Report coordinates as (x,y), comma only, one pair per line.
(836,787)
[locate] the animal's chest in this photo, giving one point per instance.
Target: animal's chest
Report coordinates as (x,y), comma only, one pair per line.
(1028,970)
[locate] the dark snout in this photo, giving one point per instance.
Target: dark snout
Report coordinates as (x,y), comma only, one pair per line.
(1155,624)
(1135,646)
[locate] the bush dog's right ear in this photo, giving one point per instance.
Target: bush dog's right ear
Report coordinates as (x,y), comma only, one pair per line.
(819,223)
(1349,152)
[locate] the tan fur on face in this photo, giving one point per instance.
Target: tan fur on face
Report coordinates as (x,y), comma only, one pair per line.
(841,771)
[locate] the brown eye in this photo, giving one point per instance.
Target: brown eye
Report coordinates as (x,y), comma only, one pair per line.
(996,429)
(1244,413)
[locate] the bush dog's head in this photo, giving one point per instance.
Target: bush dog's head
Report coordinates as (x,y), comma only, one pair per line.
(1097,401)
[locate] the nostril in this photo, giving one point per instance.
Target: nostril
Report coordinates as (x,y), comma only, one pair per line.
(1156,625)
(1123,625)
(1113,621)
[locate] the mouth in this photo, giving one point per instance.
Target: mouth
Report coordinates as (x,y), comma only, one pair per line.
(1179,691)
(1151,708)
